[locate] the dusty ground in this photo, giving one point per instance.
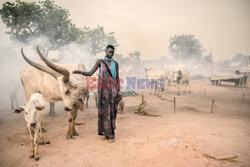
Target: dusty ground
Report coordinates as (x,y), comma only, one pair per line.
(172,139)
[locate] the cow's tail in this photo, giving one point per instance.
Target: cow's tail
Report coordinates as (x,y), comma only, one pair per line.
(26,93)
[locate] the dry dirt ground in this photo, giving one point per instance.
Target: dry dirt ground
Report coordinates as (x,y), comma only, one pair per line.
(171,139)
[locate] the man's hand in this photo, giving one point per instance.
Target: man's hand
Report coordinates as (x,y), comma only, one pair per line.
(119,96)
(76,72)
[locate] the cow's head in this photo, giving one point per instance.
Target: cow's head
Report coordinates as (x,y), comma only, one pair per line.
(176,76)
(147,71)
(170,76)
(72,87)
(32,111)
(74,91)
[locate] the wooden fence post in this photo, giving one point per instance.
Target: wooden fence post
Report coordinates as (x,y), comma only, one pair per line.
(174,105)
(212,107)
(243,97)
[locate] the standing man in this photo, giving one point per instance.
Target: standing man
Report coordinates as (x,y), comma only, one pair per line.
(108,92)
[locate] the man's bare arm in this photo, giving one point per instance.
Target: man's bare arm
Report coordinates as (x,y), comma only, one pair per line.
(118,77)
(92,71)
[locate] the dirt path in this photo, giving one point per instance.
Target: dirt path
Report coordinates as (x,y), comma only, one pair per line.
(172,139)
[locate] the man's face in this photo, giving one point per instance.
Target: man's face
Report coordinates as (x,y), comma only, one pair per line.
(110,53)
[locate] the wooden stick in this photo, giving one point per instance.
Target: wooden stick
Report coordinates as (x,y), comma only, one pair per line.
(221,158)
(243,98)
(247,80)
(174,105)
(231,158)
(212,107)
(167,100)
(244,82)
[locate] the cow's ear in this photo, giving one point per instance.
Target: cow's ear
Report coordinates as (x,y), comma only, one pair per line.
(40,108)
(18,110)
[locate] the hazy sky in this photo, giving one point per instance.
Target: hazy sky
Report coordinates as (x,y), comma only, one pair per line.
(147,25)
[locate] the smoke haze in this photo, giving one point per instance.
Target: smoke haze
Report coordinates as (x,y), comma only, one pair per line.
(222,27)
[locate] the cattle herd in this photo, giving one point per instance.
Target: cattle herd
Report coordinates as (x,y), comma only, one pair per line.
(52,82)
(169,75)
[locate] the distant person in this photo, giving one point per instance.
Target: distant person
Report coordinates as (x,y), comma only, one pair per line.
(108,92)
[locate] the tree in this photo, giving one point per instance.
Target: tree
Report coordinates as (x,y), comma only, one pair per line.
(97,39)
(184,47)
(208,57)
(240,58)
(135,56)
(28,20)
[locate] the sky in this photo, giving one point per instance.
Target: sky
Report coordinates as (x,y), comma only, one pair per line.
(222,26)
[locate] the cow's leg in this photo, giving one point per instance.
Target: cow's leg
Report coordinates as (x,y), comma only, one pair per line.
(96,100)
(69,132)
(185,87)
(12,102)
(189,87)
(161,91)
(41,136)
(162,88)
(42,140)
(155,88)
(150,89)
(167,86)
(178,89)
(52,112)
(16,102)
(31,134)
(36,142)
(122,106)
(182,86)
(87,101)
(74,114)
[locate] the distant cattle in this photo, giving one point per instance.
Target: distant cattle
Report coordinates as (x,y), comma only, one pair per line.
(179,75)
(156,77)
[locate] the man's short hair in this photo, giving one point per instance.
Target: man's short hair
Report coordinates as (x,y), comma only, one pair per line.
(110,46)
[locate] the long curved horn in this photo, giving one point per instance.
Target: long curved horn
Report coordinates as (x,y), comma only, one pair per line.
(55,67)
(40,67)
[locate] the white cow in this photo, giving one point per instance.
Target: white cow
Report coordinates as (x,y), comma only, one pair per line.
(178,74)
(56,83)
(34,112)
(156,77)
